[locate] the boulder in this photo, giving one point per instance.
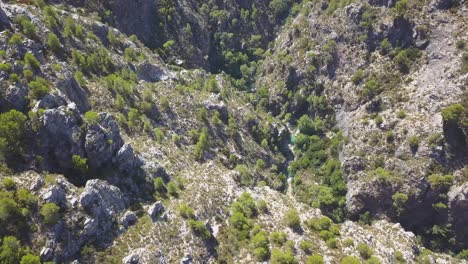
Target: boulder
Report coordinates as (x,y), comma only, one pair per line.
(54,194)
(50,101)
(142,256)
(16,97)
(152,73)
(128,219)
(458,212)
(126,160)
(102,200)
(102,141)
(156,210)
(60,137)
(75,93)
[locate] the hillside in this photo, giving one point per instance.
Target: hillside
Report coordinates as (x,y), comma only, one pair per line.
(227,131)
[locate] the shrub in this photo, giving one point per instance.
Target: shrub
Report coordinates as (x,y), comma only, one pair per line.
(30,60)
(320,224)
(50,213)
(9,183)
(53,42)
(385,46)
(278,238)
(373,260)
(364,250)
(202,145)
(11,250)
(91,117)
(159,185)
(262,206)
(245,204)
(16,39)
(80,164)
(463,254)
(6,67)
(30,259)
(186,211)
(350,260)
(278,257)
(399,257)
(14,78)
(414,141)
(399,200)
(292,219)
(113,41)
(8,209)
(405,58)
(371,88)
(246,178)
(453,113)
(332,243)
(306,246)
(130,54)
(260,245)
(172,189)
(401,114)
(29,29)
(26,198)
(39,88)
(12,128)
(315,259)
(357,76)
(159,135)
(442,182)
(199,229)
(348,242)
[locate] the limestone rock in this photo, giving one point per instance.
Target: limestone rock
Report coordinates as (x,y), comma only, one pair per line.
(74,93)
(155,210)
(16,97)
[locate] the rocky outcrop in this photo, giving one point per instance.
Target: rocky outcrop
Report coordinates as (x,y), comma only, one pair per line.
(153,73)
(74,93)
(143,256)
(60,137)
(458,215)
(156,210)
(102,142)
(16,97)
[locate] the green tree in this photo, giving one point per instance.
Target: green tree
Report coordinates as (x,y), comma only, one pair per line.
(79,163)
(11,250)
(12,129)
(39,88)
(279,257)
(159,185)
(91,117)
(31,60)
(292,219)
(50,213)
(260,245)
(30,259)
(53,42)
(9,183)
(200,229)
(315,259)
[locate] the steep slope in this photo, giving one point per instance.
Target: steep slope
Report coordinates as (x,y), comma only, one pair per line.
(110,153)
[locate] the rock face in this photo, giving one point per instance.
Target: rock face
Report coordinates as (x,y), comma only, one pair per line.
(102,141)
(153,73)
(60,137)
(458,216)
(75,93)
(16,97)
(156,210)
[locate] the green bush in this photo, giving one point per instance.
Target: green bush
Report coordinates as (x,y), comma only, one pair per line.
(306,246)
(292,219)
(373,260)
(332,242)
(371,88)
(453,113)
(30,60)
(315,259)
(112,38)
(399,200)
(26,198)
(50,213)
(463,254)
(53,42)
(279,257)
(357,76)
(401,114)
(199,229)
(91,117)
(405,58)
(246,205)
(9,183)
(350,260)
(11,250)
(414,141)
(159,186)
(364,250)
(440,182)
(278,238)
(262,206)
(385,46)
(186,212)
(202,145)
(39,88)
(260,245)
(30,259)
(80,164)
(246,178)
(28,74)
(16,39)
(320,224)
(399,257)
(29,29)
(172,189)
(6,67)
(12,129)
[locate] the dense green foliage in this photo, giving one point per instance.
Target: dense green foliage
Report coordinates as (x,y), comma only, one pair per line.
(12,130)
